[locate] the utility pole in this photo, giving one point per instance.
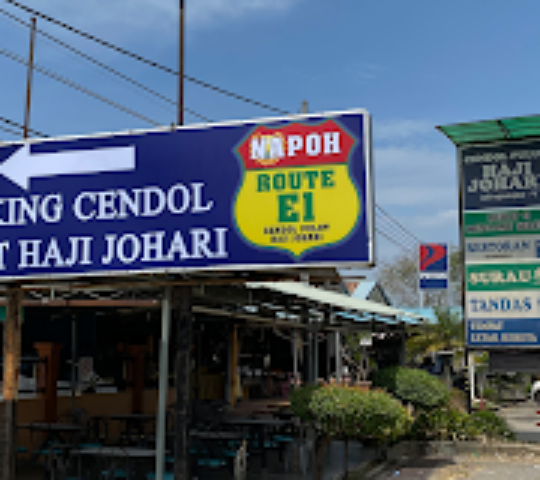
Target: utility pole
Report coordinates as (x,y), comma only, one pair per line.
(182,317)
(12,329)
(29,76)
(181,66)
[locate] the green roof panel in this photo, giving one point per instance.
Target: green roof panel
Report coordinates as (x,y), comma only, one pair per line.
(492,130)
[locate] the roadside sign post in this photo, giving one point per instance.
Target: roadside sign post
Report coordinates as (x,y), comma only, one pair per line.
(502,244)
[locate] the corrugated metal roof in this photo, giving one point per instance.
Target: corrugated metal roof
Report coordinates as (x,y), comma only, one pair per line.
(429,314)
(334,299)
(492,130)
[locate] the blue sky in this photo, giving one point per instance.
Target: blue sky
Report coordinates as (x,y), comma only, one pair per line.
(413,65)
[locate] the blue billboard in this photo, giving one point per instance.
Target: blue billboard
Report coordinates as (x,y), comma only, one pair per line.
(500,175)
(283,192)
(508,333)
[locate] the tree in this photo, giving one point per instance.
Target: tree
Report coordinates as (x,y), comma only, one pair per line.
(399,278)
(445,334)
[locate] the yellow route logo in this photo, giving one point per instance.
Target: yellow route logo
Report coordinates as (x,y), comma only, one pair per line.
(297,193)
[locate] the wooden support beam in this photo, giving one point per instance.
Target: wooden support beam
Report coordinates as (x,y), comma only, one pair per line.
(233,373)
(182,316)
(12,356)
(47,377)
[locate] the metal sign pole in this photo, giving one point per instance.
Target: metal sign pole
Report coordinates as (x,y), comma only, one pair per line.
(163,382)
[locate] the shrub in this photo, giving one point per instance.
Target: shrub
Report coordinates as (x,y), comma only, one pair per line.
(458,399)
(300,399)
(447,423)
(444,423)
(490,394)
(413,386)
(386,378)
(333,408)
(355,414)
(490,425)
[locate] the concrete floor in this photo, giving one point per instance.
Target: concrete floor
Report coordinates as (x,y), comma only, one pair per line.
(522,419)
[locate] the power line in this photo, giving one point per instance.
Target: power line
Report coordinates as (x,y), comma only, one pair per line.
(101,65)
(9,130)
(396,234)
(399,225)
(391,228)
(13,56)
(166,69)
(144,60)
(389,234)
(393,241)
(20,127)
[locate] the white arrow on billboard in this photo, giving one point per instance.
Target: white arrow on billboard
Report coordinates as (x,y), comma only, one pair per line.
(22,165)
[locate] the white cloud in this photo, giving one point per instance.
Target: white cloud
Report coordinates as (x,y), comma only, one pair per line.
(417,177)
(398,130)
(155,14)
(202,11)
(418,188)
(438,223)
(415,196)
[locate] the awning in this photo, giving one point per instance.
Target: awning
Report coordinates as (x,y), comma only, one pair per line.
(486,131)
(342,302)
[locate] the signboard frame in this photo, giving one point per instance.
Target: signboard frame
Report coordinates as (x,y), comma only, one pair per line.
(493,250)
(366,195)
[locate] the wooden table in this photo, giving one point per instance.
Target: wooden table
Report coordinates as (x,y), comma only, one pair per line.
(115,457)
(58,437)
(134,424)
(225,435)
(259,426)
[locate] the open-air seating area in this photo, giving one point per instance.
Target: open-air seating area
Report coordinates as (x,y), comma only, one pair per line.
(91,447)
(223,441)
(224,438)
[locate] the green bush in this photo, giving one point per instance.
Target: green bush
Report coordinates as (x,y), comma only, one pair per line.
(447,423)
(444,423)
(345,412)
(490,425)
(491,394)
(386,378)
(413,386)
(300,398)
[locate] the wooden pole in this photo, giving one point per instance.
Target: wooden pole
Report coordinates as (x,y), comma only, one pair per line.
(12,329)
(12,355)
(29,76)
(182,317)
(181,65)
(233,366)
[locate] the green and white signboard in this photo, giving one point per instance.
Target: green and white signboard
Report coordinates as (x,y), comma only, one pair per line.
(501,230)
